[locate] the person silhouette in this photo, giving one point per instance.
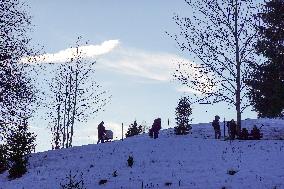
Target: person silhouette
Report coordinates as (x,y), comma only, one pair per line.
(101,132)
(156,127)
(216,126)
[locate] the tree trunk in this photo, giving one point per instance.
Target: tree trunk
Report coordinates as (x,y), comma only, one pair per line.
(68,144)
(238,68)
(74,106)
(64,118)
(57,130)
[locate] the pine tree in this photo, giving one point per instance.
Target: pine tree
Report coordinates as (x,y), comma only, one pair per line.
(183,112)
(134,129)
(267,82)
(20,144)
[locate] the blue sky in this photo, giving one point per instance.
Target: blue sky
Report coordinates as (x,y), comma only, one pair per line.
(136,70)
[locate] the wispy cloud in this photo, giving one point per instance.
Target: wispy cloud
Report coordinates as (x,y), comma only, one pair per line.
(111,55)
(154,66)
(89,51)
(148,65)
(185,89)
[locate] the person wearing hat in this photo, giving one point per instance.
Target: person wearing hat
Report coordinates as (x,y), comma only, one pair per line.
(216,126)
(232,129)
(255,133)
(101,132)
(156,127)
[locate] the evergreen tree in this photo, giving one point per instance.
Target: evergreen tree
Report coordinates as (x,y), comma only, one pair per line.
(267,82)
(183,112)
(20,144)
(134,129)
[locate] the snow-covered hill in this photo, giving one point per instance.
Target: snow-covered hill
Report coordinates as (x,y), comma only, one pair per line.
(185,162)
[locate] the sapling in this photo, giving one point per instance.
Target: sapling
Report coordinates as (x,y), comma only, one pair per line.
(130,161)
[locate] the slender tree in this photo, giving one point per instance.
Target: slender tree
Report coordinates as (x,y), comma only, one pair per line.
(77,97)
(219,36)
(267,81)
(73,181)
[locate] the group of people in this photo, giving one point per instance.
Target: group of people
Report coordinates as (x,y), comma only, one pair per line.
(153,132)
(234,131)
(254,134)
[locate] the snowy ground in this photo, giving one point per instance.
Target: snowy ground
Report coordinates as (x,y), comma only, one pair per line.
(185,162)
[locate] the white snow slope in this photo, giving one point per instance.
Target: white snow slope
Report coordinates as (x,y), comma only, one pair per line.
(177,162)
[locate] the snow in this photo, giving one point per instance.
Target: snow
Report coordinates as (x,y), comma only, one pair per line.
(186,162)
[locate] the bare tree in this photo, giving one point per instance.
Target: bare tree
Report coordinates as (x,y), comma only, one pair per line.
(219,36)
(77,97)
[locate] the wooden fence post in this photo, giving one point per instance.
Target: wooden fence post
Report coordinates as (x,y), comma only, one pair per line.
(122,131)
(224,129)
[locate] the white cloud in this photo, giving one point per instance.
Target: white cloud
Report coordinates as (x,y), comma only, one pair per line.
(89,51)
(153,66)
(156,66)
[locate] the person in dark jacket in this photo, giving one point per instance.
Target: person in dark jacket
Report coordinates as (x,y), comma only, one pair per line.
(101,132)
(232,129)
(156,127)
(244,134)
(216,126)
(228,127)
(255,133)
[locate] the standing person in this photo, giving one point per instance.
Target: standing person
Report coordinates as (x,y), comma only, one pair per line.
(244,134)
(101,132)
(216,126)
(233,129)
(228,127)
(156,127)
(255,133)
